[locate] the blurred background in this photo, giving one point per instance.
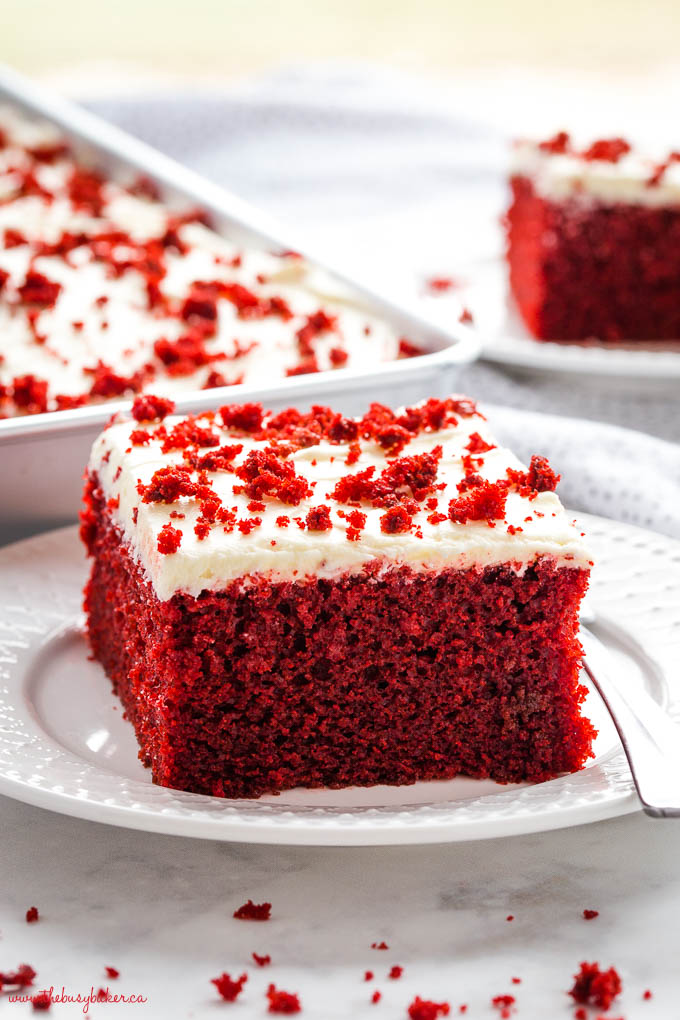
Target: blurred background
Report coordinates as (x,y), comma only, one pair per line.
(223,39)
(378,130)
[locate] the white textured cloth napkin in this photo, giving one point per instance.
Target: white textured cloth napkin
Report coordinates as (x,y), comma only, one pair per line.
(404,179)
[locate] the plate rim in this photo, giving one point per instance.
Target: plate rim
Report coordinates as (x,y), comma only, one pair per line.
(256,822)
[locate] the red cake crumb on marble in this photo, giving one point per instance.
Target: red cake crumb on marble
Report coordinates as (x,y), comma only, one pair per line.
(41,1002)
(425,1009)
(265,629)
(504,1004)
(589,915)
(595,987)
(228,988)
(32,915)
(594,241)
(282,1002)
(253,911)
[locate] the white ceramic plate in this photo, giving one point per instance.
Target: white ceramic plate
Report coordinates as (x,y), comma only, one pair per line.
(65,746)
(505,338)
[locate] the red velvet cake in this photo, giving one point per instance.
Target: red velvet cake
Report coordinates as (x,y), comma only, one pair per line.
(106,292)
(594,241)
(304,599)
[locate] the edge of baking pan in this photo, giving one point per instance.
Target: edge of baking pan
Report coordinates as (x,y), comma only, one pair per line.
(117,151)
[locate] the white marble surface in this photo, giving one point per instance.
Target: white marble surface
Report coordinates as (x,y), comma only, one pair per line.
(160,910)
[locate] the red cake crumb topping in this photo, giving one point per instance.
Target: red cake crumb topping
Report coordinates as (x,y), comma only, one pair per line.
(150,408)
(407,477)
(396,521)
(318,519)
(14,238)
(266,474)
(282,1002)
(314,325)
(558,145)
(338,357)
(485,502)
(379,945)
(407,349)
(440,284)
(188,433)
(580,1014)
(476,444)
(510,917)
(219,459)
(647,995)
(590,914)
(356,521)
(261,961)
(504,1004)
(466,317)
(425,1009)
(368,975)
(610,150)
(140,437)
(516,981)
(539,478)
(249,524)
(228,989)
(253,911)
(660,170)
(38,290)
(595,987)
(85,190)
(395,972)
(245,417)
(169,540)
(30,393)
(168,484)
(32,915)
(376,997)
(112,973)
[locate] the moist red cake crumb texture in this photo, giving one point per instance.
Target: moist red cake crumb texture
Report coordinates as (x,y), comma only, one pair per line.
(595,987)
(229,989)
(504,1004)
(582,268)
(425,1009)
(384,675)
(253,911)
(41,1002)
(283,1002)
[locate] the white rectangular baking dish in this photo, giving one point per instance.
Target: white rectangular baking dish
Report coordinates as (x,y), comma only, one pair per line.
(42,457)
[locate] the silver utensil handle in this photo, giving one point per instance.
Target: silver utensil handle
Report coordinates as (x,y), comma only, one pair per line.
(649,736)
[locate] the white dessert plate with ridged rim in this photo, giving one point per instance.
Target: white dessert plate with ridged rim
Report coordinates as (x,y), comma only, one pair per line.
(484,290)
(65,746)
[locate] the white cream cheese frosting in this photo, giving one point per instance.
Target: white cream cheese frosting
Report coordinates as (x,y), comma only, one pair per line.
(533,525)
(103,317)
(560,176)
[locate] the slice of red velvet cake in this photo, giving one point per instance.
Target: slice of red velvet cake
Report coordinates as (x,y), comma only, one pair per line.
(594,241)
(304,599)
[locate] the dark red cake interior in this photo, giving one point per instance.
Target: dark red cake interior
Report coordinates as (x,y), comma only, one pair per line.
(581,270)
(376,677)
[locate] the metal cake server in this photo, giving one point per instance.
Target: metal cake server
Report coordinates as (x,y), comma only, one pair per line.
(649,736)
